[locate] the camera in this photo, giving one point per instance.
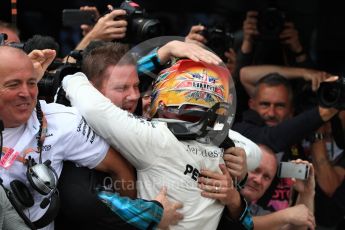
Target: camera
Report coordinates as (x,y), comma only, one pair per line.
(332,94)
(219,39)
(51,81)
(293,170)
(270,23)
(49,85)
(140,27)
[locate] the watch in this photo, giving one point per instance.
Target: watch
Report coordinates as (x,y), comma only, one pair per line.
(319,136)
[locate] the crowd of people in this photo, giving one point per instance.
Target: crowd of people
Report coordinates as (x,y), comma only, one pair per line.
(168,136)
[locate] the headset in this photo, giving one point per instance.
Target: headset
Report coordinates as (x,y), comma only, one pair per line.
(20,197)
(42,177)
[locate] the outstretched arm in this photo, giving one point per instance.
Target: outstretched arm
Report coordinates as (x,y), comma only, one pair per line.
(132,135)
(107,28)
(329,177)
(306,194)
(306,189)
(144,214)
(295,217)
(251,74)
(122,172)
(299,216)
(186,50)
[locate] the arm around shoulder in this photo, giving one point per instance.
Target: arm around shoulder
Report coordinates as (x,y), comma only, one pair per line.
(122,172)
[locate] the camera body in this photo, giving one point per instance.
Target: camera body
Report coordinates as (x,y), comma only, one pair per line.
(140,27)
(270,23)
(49,85)
(332,94)
(219,39)
(51,81)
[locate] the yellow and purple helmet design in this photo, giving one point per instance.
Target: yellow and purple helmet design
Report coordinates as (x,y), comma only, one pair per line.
(191,83)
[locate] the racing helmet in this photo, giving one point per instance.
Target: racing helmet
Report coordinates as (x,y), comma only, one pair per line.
(195,85)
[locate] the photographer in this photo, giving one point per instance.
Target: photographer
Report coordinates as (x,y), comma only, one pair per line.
(271,121)
(108,28)
(219,40)
(297,216)
(128,24)
(271,97)
(268,38)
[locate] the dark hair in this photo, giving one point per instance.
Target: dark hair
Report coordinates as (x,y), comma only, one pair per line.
(40,42)
(100,55)
(274,79)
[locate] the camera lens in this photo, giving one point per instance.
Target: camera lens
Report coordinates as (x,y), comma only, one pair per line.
(219,39)
(329,94)
(151,28)
(143,28)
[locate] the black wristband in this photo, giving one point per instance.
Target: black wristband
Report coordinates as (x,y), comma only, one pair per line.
(242,183)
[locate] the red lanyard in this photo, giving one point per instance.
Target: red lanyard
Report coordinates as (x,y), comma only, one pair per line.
(21,157)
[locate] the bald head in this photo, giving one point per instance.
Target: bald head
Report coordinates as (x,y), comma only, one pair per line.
(11,57)
(7,50)
(261,178)
(18,87)
(269,157)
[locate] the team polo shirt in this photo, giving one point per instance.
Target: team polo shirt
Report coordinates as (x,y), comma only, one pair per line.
(68,137)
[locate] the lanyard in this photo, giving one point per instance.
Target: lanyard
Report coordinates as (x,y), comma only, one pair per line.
(8,152)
